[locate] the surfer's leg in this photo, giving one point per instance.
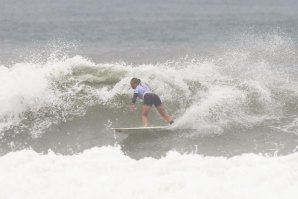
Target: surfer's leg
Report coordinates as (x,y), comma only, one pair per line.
(145,111)
(163,113)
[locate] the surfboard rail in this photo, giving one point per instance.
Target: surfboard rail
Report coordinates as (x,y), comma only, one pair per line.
(130,130)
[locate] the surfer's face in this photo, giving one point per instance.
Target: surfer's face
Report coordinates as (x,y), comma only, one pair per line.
(133,84)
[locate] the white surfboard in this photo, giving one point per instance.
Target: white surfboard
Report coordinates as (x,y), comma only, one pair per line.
(134,130)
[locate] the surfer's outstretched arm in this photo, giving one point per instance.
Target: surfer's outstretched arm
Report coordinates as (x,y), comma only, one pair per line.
(133,102)
(133,107)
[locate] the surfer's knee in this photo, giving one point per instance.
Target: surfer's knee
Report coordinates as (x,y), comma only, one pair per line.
(144,113)
(161,110)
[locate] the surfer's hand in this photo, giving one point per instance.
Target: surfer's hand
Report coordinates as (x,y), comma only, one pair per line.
(133,107)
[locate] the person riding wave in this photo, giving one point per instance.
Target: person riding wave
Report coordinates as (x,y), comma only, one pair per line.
(149,98)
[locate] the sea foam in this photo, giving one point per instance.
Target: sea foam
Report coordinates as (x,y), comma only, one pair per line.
(108,173)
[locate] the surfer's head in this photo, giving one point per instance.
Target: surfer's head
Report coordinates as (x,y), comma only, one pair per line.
(134,82)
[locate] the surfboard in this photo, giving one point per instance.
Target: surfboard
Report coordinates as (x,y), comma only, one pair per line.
(134,130)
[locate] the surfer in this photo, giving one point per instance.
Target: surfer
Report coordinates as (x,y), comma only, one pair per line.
(149,98)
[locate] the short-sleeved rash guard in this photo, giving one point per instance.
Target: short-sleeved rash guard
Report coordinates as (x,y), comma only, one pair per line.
(141,90)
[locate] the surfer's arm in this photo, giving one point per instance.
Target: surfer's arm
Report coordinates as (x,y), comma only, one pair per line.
(133,102)
(134,98)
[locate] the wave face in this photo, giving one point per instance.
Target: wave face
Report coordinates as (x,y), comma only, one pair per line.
(100,172)
(247,93)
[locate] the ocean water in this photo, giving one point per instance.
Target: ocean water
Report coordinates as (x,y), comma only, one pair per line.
(226,70)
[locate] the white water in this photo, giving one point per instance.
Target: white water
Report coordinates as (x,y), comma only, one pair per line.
(244,89)
(212,94)
(249,83)
(107,173)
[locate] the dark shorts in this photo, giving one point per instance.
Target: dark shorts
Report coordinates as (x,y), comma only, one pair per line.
(150,99)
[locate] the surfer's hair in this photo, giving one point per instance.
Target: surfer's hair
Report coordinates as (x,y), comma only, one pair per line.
(135,80)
